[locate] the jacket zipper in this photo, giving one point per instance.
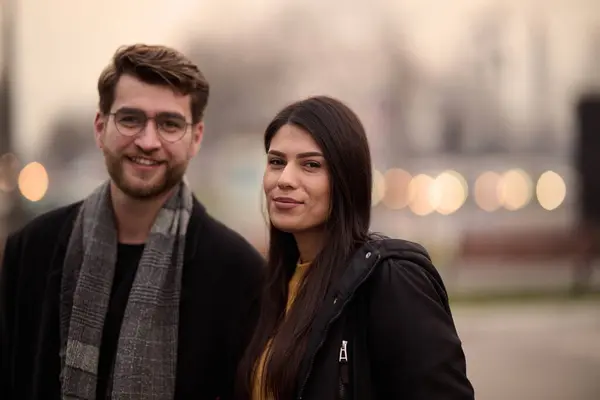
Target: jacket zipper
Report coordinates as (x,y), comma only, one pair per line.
(344,377)
(312,360)
(324,336)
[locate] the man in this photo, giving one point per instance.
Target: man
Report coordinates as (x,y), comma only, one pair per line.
(136,292)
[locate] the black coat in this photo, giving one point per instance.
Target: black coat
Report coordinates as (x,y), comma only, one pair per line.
(385,332)
(219,298)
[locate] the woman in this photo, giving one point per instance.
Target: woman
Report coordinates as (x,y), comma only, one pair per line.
(345,314)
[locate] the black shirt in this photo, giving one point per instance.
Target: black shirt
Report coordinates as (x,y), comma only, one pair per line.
(128,258)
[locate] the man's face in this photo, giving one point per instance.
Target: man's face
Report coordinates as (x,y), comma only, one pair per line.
(150,163)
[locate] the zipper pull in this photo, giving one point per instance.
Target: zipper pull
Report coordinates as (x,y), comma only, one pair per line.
(344,377)
(344,351)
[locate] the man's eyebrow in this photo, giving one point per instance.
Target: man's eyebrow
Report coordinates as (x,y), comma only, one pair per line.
(172,114)
(129,110)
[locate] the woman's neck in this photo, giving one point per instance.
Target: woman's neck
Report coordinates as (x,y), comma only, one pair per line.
(309,245)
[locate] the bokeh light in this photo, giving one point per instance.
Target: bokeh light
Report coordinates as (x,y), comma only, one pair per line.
(33,181)
(551,190)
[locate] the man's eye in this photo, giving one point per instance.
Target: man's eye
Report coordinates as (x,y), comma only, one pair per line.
(173,124)
(130,119)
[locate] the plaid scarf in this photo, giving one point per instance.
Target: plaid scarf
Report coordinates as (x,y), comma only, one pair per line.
(146,359)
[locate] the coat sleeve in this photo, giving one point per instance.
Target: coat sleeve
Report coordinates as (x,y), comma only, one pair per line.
(414,347)
(8,284)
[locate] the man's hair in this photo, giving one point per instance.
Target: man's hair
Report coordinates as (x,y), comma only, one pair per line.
(155,65)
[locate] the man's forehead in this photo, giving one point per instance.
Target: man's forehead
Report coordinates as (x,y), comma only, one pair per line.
(152,99)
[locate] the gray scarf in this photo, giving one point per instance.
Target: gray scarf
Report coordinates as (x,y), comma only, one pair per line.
(146,358)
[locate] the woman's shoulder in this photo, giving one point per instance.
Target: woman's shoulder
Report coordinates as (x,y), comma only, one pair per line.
(406,269)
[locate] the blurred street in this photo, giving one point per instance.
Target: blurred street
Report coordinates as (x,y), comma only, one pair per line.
(498,277)
(534,351)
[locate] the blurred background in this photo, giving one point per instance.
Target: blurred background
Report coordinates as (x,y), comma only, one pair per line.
(483,118)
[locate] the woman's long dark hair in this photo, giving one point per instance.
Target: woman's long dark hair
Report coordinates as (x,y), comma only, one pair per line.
(341,137)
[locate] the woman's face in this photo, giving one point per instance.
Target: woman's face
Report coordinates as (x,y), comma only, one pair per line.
(296,181)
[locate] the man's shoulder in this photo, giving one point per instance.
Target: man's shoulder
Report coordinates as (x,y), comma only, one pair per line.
(223,243)
(225,234)
(226,239)
(46,226)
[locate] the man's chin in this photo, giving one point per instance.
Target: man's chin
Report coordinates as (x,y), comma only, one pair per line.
(143,187)
(142,191)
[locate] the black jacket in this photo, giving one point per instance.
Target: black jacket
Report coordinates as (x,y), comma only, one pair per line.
(385,332)
(221,283)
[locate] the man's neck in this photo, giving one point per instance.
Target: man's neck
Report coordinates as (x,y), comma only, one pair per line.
(134,218)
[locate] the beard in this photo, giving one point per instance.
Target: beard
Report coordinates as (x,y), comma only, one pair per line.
(142,187)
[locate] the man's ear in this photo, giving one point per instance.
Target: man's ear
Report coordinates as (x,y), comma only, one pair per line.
(99,129)
(197,135)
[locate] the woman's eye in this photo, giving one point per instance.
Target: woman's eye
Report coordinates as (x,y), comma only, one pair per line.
(275,161)
(313,164)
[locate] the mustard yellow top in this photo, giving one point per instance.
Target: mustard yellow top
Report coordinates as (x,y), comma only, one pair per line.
(258,392)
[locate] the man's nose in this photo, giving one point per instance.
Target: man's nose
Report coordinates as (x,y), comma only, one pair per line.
(149,137)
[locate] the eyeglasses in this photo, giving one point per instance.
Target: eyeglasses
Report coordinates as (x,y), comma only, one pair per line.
(131,122)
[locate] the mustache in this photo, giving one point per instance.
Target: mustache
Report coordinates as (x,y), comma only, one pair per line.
(151,155)
(148,156)
(115,156)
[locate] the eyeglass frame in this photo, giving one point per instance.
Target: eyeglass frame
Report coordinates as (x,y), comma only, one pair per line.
(147,119)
